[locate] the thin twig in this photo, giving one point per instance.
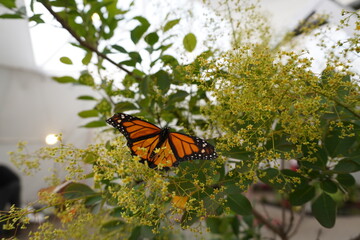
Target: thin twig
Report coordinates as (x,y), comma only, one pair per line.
(356,237)
(231,22)
(346,107)
(291,221)
(265,210)
(319,234)
(297,226)
(272,227)
(282,197)
(82,42)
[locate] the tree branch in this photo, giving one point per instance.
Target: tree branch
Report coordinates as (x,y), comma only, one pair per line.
(296,228)
(272,227)
(82,42)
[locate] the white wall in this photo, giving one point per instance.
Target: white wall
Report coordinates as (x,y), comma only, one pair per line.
(32,105)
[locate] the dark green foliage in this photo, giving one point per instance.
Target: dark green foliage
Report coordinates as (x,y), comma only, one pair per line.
(238,203)
(302,195)
(324,210)
(78,191)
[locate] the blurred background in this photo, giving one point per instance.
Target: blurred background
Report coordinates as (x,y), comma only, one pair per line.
(33,106)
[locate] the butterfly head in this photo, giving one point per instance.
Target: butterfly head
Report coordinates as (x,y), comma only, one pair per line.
(165,131)
(116,119)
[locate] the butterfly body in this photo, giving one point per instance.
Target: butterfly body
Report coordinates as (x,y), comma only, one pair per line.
(159,145)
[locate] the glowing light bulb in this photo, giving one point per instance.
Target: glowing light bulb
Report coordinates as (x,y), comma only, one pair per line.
(51,139)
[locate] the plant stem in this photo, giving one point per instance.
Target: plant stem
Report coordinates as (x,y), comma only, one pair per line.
(279,231)
(346,107)
(82,42)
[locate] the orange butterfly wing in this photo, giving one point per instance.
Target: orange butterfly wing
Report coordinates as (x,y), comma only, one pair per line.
(187,147)
(165,156)
(142,137)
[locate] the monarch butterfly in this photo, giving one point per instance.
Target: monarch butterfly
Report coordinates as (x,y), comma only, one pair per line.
(158,145)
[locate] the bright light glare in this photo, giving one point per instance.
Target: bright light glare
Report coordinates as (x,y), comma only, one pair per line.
(51,139)
(95,17)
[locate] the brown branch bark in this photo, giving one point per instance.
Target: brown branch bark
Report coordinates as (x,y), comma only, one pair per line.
(82,42)
(291,222)
(272,227)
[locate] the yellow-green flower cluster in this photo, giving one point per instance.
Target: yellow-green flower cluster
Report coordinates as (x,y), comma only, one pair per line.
(261,96)
(68,157)
(77,223)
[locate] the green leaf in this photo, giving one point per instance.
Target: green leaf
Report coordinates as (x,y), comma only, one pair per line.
(338,146)
(147,232)
(235,225)
(78,190)
(294,174)
(136,233)
(346,166)
(328,186)
(346,179)
(11,16)
(130,63)
(137,32)
(31,5)
(151,38)
(86,79)
(64,3)
(182,187)
(124,106)
(238,153)
(189,218)
(302,195)
(321,158)
(232,179)
(88,113)
(89,157)
(163,80)
(65,79)
(144,86)
(141,232)
(142,20)
(344,90)
(116,212)
(95,124)
(268,175)
(119,48)
(169,60)
(213,223)
(92,200)
(135,56)
(163,48)
(86,60)
(189,42)
(179,96)
(170,24)
(324,210)
(113,225)
(8,3)
(239,204)
(66,60)
(87,98)
(220,225)
(36,18)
